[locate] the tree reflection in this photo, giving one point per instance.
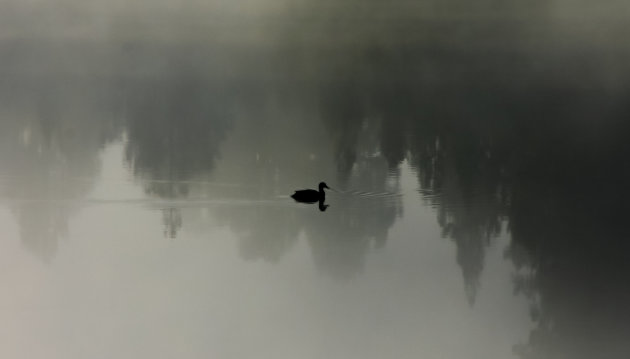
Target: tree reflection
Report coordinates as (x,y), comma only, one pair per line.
(50,154)
(265,233)
(340,237)
(174,131)
(569,243)
(385,110)
(461,176)
(541,155)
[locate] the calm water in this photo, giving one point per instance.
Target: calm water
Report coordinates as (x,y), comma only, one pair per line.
(478,159)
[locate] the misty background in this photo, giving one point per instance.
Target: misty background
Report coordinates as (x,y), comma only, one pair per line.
(478,151)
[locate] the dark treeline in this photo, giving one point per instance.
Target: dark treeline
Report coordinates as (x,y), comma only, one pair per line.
(545,155)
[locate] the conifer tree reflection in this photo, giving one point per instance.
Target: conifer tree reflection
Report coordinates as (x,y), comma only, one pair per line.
(459,176)
(366,153)
(269,233)
(386,103)
(569,241)
(343,115)
(50,151)
(174,131)
(341,239)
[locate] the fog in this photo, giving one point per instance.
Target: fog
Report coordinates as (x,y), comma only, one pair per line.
(476,153)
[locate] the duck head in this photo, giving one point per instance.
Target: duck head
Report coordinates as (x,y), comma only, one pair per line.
(322,185)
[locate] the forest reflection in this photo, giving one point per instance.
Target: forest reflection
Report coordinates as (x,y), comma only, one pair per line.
(51,135)
(502,132)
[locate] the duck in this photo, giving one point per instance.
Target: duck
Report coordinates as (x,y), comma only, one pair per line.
(311,195)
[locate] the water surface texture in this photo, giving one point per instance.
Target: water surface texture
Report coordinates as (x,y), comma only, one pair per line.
(477,154)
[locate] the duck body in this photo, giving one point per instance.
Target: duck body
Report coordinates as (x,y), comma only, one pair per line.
(311,195)
(307,196)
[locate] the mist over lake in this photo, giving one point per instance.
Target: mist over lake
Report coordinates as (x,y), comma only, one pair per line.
(475,156)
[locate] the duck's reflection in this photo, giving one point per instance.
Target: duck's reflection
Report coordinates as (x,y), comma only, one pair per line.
(322,207)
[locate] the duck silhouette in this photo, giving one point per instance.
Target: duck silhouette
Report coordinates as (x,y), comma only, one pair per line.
(311,195)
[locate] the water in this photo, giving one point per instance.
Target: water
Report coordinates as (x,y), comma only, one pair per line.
(477,156)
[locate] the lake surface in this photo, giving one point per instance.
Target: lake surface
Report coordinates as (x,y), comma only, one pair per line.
(478,159)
